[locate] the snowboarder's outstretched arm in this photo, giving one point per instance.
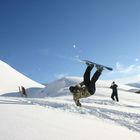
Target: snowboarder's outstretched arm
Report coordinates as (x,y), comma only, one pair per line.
(111,86)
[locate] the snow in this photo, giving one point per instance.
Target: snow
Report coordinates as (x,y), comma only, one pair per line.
(10,80)
(132,81)
(50,113)
(24,121)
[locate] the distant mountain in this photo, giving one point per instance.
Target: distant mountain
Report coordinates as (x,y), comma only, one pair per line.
(133,81)
(60,87)
(11,79)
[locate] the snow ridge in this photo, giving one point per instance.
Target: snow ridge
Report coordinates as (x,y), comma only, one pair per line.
(11,79)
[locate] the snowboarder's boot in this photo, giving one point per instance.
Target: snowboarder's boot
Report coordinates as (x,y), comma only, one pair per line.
(99,68)
(90,64)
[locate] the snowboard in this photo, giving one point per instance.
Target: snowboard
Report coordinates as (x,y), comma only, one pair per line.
(96,64)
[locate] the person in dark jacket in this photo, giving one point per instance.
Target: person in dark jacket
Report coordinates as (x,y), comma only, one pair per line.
(23,91)
(114,91)
(87,87)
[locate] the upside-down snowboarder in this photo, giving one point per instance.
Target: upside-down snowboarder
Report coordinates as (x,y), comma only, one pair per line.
(87,87)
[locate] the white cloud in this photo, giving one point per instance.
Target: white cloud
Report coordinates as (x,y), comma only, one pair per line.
(119,66)
(131,69)
(124,71)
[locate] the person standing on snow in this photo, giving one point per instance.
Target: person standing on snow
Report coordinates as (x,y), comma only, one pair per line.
(87,87)
(23,91)
(114,91)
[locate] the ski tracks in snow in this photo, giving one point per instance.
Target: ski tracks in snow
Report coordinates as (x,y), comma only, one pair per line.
(102,109)
(129,120)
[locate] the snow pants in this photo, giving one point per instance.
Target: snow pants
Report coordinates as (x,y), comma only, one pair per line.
(90,83)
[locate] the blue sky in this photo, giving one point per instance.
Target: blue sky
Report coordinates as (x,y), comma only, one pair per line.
(43,38)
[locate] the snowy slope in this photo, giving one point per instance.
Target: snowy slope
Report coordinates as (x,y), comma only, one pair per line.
(60,87)
(53,114)
(126,112)
(132,81)
(57,117)
(10,79)
(23,120)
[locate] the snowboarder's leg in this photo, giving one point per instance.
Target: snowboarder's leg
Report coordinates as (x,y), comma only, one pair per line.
(95,76)
(117,99)
(112,97)
(87,75)
(92,86)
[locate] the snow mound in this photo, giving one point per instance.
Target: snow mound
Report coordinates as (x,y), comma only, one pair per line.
(11,79)
(61,87)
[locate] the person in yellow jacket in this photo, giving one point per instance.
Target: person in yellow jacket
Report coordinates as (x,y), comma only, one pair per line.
(87,87)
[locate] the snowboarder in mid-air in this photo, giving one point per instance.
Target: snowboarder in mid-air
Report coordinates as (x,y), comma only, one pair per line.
(87,87)
(114,91)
